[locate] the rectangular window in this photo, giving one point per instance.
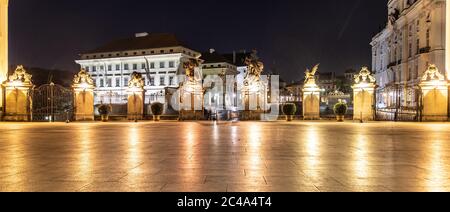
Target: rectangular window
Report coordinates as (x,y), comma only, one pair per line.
(101,83)
(171,64)
(94,68)
(171,82)
(162,64)
(408,77)
(162,81)
(125,82)
(125,67)
(117,82)
(86,68)
(410,50)
(152,65)
(134,66)
(144,66)
(102,68)
(109,82)
(109,67)
(417,46)
(416,71)
(152,81)
(117,67)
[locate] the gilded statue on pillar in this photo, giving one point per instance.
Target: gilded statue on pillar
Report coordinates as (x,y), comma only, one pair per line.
(20,75)
(432,73)
(83,78)
(189,67)
(255,68)
(310,75)
(136,81)
(365,76)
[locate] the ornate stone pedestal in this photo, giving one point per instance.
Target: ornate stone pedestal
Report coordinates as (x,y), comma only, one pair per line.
(311,96)
(253,90)
(136,94)
(83,87)
(192,92)
(434,101)
(18,100)
(254,101)
(364,96)
(191,101)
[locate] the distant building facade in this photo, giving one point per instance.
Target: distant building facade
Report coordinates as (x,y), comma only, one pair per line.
(215,64)
(158,57)
(238,59)
(413,38)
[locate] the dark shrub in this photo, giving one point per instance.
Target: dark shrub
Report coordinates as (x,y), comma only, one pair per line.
(104,109)
(289,109)
(157,108)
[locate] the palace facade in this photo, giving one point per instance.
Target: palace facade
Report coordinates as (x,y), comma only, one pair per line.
(157,56)
(415,36)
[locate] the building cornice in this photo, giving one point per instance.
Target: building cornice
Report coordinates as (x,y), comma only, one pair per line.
(130,58)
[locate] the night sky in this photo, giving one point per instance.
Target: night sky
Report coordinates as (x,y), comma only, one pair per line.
(290,35)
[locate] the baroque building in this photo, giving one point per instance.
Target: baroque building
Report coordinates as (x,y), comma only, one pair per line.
(158,57)
(415,36)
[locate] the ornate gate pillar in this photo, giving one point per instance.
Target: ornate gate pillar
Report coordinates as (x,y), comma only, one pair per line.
(364,96)
(136,97)
(434,89)
(311,96)
(83,87)
(18,101)
(3,46)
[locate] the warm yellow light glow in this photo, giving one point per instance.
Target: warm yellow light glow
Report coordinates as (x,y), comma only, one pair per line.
(254,144)
(361,156)
(435,159)
(3,44)
(85,160)
(134,90)
(447,39)
(134,155)
(312,148)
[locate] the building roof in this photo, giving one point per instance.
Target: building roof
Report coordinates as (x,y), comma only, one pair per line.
(144,41)
(326,76)
(238,59)
(350,71)
(214,57)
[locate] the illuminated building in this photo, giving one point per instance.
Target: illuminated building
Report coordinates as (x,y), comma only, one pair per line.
(3,44)
(215,64)
(157,56)
(413,38)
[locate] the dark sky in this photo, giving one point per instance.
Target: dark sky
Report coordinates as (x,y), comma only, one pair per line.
(289,34)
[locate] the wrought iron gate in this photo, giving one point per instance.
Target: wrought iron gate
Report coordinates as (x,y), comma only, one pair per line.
(52,103)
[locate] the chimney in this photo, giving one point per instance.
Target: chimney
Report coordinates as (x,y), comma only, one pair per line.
(141,34)
(212,51)
(234,57)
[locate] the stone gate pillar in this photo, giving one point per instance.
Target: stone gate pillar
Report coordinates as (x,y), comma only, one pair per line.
(311,96)
(434,102)
(364,96)
(83,87)
(3,47)
(136,97)
(18,93)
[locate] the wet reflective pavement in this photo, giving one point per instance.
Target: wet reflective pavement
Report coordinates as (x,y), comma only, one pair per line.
(233,157)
